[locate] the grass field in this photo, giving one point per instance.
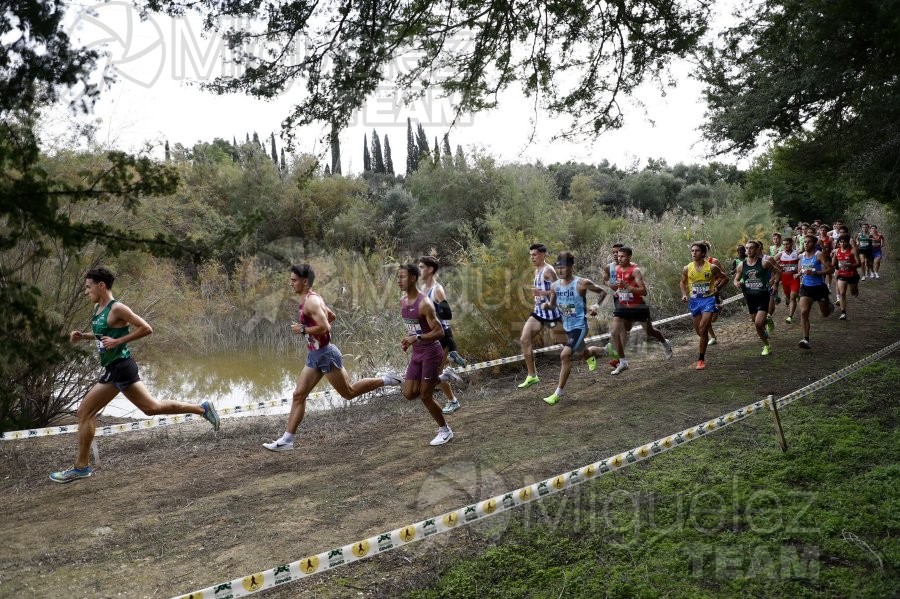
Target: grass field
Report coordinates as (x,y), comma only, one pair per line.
(728,515)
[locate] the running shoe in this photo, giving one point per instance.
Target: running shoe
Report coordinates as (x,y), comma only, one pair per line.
(701,364)
(613,363)
(877,276)
(73,473)
(392,380)
(712,341)
(843,316)
(667,349)
(450,375)
(451,406)
(592,363)
(210,414)
(837,301)
(444,435)
(279,446)
(789,320)
(457,359)
(623,366)
(529,381)
(770,323)
(611,352)
(766,350)
(804,344)
(552,400)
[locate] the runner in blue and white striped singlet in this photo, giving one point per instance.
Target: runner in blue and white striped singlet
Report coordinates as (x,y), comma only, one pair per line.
(544,276)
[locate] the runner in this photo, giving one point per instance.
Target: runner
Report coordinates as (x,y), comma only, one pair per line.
(544,275)
(609,277)
(847,264)
(113,326)
(741,256)
(702,280)
(569,294)
(323,358)
(877,251)
(864,247)
(788,260)
(713,340)
(756,276)
(775,298)
(422,333)
(428,266)
(631,289)
(814,265)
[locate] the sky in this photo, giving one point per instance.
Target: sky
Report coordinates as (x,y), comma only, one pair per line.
(159,63)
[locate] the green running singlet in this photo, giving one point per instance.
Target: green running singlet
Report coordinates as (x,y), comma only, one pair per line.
(101,328)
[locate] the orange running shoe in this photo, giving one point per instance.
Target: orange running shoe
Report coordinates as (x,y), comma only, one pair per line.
(701,364)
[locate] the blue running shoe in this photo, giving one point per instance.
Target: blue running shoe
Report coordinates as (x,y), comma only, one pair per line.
(73,473)
(457,359)
(209,413)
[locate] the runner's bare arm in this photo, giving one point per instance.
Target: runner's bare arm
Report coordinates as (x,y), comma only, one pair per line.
(720,279)
(551,303)
(119,314)
(586,285)
(639,288)
(426,308)
(737,276)
(683,284)
(314,308)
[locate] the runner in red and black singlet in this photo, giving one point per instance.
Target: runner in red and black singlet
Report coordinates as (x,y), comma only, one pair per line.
(323,358)
(847,261)
(630,289)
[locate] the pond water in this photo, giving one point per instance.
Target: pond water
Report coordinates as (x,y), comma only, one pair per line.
(228,380)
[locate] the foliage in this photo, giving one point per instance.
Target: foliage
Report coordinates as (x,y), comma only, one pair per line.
(577,58)
(821,76)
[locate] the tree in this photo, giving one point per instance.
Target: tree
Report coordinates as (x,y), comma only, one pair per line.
(459,159)
(377,156)
(422,144)
(367,158)
(412,152)
(447,154)
(388,161)
(437,152)
(274,153)
(335,151)
(823,75)
(168,152)
(282,166)
(577,58)
(256,141)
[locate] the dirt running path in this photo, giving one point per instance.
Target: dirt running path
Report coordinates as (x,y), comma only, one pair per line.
(178,509)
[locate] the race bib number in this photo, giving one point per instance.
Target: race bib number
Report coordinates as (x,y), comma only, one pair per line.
(753,285)
(567,309)
(626,296)
(788,268)
(700,290)
(312,343)
(412,327)
(844,265)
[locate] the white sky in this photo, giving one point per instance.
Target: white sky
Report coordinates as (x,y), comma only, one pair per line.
(159,62)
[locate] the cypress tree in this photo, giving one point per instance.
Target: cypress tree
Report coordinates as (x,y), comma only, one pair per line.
(377,157)
(422,144)
(327,171)
(459,161)
(248,139)
(437,152)
(412,152)
(367,158)
(168,153)
(447,154)
(274,153)
(388,161)
(335,150)
(283,165)
(256,140)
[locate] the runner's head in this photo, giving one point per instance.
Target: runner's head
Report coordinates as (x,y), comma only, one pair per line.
(776,239)
(788,244)
(538,253)
(624,254)
(615,251)
(302,277)
(865,227)
(98,281)
(407,277)
(565,263)
(698,250)
(844,241)
(741,251)
(809,243)
(843,230)
(428,265)
(752,246)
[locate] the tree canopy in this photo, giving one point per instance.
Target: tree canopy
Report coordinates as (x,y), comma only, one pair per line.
(573,58)
(823,75)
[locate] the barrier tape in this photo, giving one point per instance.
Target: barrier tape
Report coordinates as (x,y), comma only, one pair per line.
(160,421)
(476,512)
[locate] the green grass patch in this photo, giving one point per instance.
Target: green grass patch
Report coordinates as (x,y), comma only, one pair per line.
(727,515)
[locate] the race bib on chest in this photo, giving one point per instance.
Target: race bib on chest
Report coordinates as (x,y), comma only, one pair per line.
(567,309)
(412,327)
(700,290)
(626,296)
(788,268)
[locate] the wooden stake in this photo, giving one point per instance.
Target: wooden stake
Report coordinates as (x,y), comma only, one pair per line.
(779,432)
(96,451)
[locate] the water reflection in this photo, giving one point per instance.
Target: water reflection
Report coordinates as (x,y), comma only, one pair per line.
(229,380)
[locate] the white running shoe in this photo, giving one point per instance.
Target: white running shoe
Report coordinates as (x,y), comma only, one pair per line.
(623,365)
(667,349)
(450,375)
(392,380)
(443,436)
(279,446)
